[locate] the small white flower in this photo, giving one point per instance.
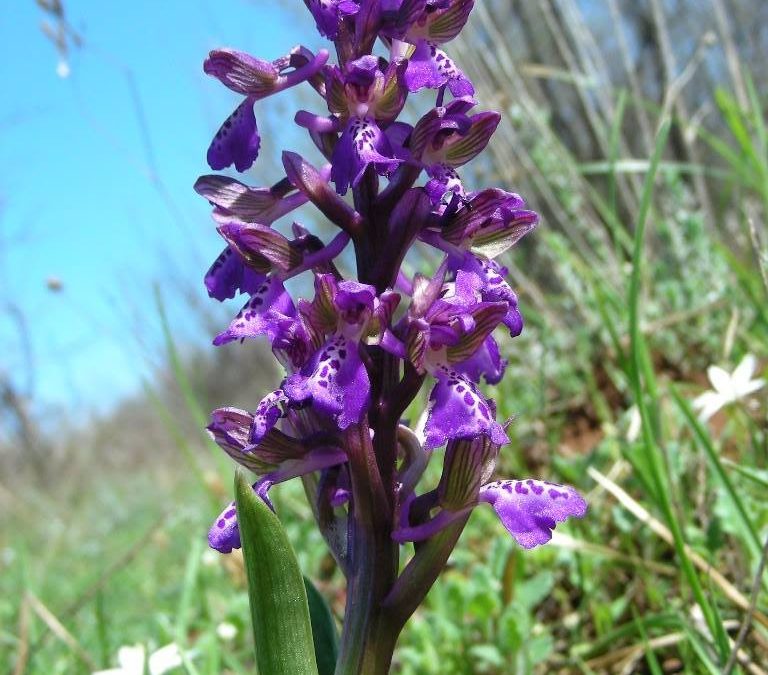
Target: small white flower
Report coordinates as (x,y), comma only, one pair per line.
(226,631)
(728,387)
(165,659)
(131,660)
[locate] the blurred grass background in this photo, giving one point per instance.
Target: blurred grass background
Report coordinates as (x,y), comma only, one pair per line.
(638,130)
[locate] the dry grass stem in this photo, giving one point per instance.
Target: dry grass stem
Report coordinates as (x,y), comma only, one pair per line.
(23,651)
(571,543)
(58,629)
(747,622)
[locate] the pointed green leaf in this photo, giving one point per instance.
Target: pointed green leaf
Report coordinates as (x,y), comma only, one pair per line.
(278,599)
(323,630)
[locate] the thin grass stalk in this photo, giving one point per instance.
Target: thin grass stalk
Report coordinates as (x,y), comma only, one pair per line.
(637,369)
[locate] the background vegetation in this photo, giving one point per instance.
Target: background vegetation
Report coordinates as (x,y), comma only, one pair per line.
(638,130)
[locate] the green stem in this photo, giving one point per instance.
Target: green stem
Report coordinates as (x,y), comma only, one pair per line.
(421,572)
(367,640)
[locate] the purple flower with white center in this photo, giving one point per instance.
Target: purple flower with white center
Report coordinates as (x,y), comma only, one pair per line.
(354,359)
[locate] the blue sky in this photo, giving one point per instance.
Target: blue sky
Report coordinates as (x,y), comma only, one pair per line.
(77,197)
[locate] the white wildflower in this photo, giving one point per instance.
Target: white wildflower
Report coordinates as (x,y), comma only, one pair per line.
(226,631)
(132,659)
(728,387)
(165,659)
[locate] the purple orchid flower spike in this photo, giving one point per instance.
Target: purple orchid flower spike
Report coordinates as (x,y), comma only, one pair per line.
(360,348)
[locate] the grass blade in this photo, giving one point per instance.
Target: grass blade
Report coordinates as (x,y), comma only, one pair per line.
(640,370)
(706,442)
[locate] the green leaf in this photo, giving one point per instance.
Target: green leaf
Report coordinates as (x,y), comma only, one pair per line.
(279,609)
(323,630)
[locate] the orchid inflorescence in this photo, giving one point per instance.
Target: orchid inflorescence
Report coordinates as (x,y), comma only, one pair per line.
(357,355)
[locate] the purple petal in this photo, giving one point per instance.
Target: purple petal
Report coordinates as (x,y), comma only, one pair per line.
(250,205)
(230,428)
(429,66)
(446,23)
(230,275)
(340,497)
(503,230)
(264,314)
(311,183)
(389,97)
(495,288)
(268,412)
(335,380)
(256,78)
(254,241)
(458,410)
(354,301)
(462,224)
(530,509)
(400,15)
(224,534)
(460,149)
(321,314)
(439,124)
(329,13)
(486,316)
(237,141)
(362,143)
(485,362)
(443,179)
(242,72)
